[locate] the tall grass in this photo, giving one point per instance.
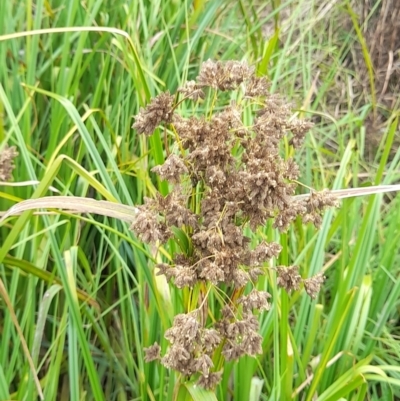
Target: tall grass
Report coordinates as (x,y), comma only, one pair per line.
(83,288)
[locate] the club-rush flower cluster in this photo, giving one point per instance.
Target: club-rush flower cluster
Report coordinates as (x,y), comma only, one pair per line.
(7,156)
(240,180)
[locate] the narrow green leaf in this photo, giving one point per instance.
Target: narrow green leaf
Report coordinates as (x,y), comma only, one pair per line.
(199,394)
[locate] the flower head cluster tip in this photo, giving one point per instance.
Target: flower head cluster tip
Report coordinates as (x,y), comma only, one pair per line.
(7,156)
(235,167)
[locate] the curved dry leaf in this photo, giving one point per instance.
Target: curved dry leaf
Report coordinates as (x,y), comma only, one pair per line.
(75,204)
(353,192)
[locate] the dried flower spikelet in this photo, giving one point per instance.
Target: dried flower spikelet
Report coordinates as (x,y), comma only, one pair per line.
(271,121)
(242,338)
(288,214)
(208,143)
(148,227)
(172,169)
(159,110)
(210,381)
(223,75)
(185,329)
(264,252)
(7,156)
(288,277)
(167,270)
(173,208)
(316,203)
(299,128)
(203,364)
(322,199)
(313,284)
(178,215)
(191,348)
(191,90)
(211,272)
(240,278)
(152,353)
(185,276)
(255,273)
(277,105)
(180,359)
(211,339)
(291,170)
(257,86)
(255,300)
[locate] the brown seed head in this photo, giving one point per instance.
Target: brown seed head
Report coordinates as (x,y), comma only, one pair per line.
(288,277)
(7,156)
(157,111)
(313,284)
(223,76)
(172,169)
(152,353)
(192,91)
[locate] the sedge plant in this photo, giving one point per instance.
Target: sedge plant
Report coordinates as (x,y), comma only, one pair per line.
(228,179)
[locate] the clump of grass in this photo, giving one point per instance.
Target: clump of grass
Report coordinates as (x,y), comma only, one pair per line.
(227,177)
(374,59)
(67,97)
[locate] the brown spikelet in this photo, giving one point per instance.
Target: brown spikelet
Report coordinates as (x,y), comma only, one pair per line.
(157,111)
(7,156)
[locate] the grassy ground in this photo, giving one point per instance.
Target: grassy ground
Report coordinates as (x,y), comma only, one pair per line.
(68,90)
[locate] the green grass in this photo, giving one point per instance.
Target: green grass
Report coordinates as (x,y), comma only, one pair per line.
(82,287)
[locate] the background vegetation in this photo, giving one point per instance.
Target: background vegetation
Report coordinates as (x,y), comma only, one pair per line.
(82,287)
